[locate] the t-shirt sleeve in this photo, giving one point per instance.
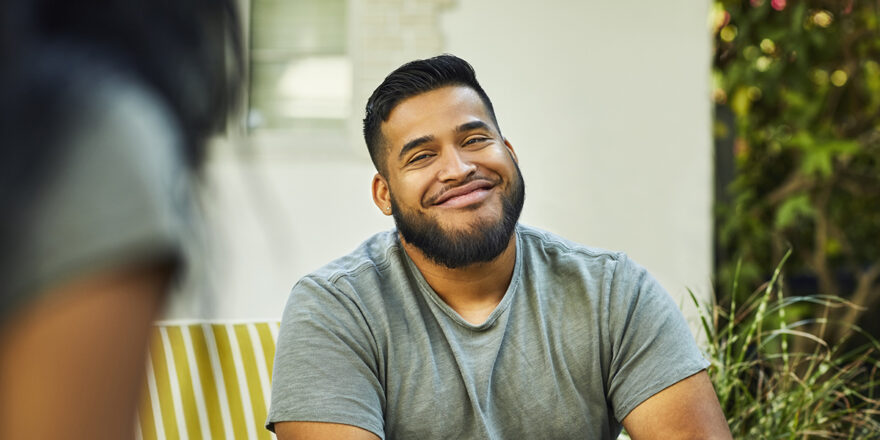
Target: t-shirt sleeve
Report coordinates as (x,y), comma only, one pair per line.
(326,363)
(652,346)
(117,193)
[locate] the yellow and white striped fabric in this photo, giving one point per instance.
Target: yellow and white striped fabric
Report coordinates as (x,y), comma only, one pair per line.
(208,381)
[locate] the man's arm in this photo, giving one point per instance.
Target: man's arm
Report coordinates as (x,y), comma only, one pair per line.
(688,409)
(326,378)
(323,431)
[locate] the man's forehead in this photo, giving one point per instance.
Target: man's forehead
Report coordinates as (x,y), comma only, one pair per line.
(443,109)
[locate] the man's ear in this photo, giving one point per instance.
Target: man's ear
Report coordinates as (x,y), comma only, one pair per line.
(381,194)
(510,149)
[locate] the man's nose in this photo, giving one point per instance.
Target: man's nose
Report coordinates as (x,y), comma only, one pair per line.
(455,166)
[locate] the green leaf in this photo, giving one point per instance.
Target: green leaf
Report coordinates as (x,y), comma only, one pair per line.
(792,210)
(819,154)
(817,162)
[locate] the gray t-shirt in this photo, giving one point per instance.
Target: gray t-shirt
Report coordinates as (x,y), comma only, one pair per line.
(118,193)
(581,337)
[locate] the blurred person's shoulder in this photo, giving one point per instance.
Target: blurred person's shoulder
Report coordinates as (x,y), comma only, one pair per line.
(114,190)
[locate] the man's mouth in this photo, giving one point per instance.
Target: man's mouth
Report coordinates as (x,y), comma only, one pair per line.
(460,196)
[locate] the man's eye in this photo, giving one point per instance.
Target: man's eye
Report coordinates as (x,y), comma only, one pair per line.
(476,140)
(419,157)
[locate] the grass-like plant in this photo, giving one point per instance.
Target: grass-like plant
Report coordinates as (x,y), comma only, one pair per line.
(768,391)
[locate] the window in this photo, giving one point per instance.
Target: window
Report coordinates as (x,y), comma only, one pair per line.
(300,72)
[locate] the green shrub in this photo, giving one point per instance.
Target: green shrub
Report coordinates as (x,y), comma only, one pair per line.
(801,83)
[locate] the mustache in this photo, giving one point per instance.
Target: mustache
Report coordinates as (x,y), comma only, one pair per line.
(432,199)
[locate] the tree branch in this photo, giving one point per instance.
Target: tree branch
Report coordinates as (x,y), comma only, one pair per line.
(863,294)
(794,183)
(820,245)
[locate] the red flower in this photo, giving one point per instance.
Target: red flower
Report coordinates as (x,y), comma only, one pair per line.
(777,4)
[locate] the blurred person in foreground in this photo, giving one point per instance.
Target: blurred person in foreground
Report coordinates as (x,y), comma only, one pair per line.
(464,324)
(106,107)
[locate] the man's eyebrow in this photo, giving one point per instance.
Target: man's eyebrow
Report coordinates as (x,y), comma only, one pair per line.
(473,125)
(413,144)
(467,126)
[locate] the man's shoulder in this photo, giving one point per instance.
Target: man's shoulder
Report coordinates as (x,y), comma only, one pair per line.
(549,246)
(356,288)
(376,255)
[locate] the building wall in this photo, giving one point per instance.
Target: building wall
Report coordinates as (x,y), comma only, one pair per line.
(606,104)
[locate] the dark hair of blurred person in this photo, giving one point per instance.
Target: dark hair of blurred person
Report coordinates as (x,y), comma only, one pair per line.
(105,108)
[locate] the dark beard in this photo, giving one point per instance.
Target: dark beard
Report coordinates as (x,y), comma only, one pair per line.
(453,249)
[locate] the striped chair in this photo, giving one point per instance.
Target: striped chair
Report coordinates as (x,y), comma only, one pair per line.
(208,381)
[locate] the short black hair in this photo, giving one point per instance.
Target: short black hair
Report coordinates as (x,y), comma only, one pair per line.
(414,78)
(189,52)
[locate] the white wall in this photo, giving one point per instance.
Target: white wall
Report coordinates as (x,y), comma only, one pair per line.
(606,104)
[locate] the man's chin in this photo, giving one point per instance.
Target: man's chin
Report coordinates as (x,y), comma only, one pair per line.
(456,233)
(465,232)
(468,220)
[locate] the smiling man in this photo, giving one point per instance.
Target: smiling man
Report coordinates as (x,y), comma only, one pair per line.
(462,323)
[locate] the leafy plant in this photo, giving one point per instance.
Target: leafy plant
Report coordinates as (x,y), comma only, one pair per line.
(769,391)
(801,80)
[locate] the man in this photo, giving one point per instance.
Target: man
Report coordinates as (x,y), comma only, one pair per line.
(463,324)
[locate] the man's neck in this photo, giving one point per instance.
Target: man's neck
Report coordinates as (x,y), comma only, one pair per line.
(474,290)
